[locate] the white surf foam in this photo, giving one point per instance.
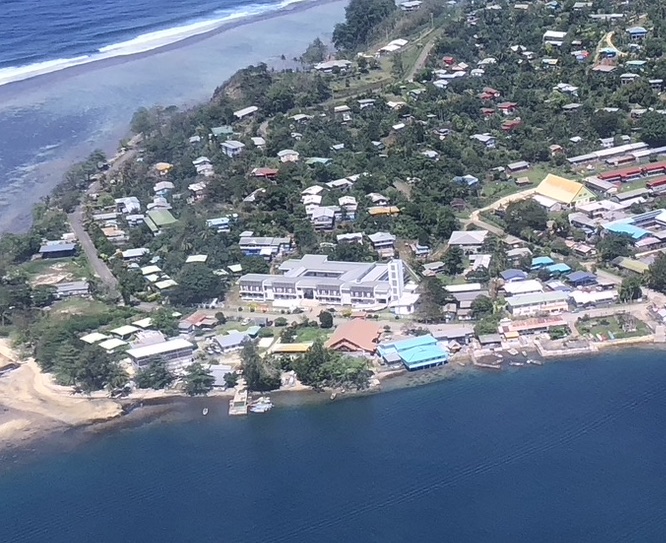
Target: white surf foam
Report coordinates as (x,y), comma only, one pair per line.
(141,44)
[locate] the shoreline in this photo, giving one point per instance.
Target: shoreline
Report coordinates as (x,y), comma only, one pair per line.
(90,106)
(30,416)
(94,64)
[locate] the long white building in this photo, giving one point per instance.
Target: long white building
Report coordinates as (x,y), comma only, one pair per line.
(175,353)
(314,277)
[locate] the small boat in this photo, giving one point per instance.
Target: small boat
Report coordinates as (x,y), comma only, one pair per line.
(205,411)
(534,362)
(334,395)
(512,352)
(524,353)
(262,405)
(518,364)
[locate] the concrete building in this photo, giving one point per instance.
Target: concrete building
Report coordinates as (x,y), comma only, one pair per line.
(175,353)
(266,247)
(313,278)
(527,305)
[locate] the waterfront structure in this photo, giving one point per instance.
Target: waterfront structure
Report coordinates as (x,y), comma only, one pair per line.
(315,278)
(355,336)
(527,305)
(175,353)
(417,353)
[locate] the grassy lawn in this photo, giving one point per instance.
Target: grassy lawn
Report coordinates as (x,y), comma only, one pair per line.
(80,306)
(51,271)
(310,334)
(617,326)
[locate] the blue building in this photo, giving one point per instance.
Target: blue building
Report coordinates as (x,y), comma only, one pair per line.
(637,33)
(513,275)
(541,262)
(415,353)
(627,229)
(581,279)
(558,269)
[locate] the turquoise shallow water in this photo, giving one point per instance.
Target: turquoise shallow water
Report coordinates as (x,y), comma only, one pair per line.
(570,451)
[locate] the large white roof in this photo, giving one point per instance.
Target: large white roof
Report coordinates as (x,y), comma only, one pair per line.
(175,344)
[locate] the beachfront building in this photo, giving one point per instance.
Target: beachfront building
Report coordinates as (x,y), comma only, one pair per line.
(355,336)
(175,353)
(415,353)
(539,303)
(314,279)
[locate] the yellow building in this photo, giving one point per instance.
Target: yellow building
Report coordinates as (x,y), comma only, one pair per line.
(562,191)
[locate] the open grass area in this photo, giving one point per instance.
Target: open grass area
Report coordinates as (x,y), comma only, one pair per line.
(615,327)
(79,306)
(52,271)
(311,334)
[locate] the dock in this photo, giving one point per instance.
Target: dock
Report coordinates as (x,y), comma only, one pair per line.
(238,404)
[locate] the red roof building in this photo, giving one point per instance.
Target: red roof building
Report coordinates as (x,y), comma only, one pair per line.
(266,173)
(354,336)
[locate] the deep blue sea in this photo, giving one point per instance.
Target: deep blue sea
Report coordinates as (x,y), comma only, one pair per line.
(72,72)
(567,452)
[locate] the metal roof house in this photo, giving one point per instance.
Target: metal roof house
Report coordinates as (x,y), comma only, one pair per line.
(415,353)
(56,249)
(469,241)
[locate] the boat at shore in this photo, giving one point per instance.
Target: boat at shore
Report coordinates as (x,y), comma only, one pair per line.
(534,362)
(518,364)
(261,405)
(204,412)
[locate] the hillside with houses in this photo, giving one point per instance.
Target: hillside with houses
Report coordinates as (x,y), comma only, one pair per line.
(456,181)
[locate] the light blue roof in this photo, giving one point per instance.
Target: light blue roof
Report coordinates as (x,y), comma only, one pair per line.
(637,30)
(415,351)
(558,268)
(623,228)
(542,261)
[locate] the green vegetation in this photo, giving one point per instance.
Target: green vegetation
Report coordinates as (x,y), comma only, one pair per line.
(155,376)
(198,380)
(260,374)
(363,19)
(320,368)
(619,326)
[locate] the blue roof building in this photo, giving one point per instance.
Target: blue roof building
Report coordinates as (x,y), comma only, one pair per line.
(558,269)
(637,33)
(541,262)
(581,279)
(512,275)
(415,353)
(627,229)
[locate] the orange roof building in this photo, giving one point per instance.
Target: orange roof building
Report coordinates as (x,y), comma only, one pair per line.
(357,335)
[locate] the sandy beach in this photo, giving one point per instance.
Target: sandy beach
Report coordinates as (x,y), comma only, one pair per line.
(31,403)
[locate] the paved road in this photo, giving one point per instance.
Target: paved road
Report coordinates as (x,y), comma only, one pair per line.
(77,222)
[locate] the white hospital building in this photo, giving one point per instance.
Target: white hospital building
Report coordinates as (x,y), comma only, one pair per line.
(314,277)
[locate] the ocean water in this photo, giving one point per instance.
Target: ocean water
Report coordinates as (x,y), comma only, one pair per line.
(73,72)
(42,36)
(568,452)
